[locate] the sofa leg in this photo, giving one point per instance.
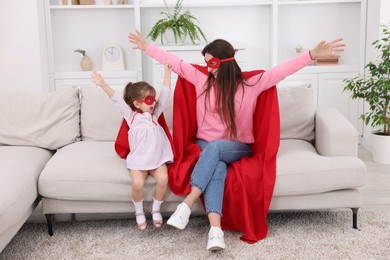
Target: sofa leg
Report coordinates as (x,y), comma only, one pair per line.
(354,217)
(49,218)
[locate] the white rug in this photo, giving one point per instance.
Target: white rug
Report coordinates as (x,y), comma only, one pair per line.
(299,235)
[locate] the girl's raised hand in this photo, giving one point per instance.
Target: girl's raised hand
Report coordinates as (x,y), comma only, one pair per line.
(139,41)
(97,79)
(168,68)
(327,49)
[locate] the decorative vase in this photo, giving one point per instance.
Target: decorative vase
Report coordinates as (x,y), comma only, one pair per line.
(85,63)
(380,148)
(169,38)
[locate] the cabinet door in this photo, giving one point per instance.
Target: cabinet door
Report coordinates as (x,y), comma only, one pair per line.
(330,94)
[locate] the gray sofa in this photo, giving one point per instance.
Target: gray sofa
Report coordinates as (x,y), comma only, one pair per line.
(60,145)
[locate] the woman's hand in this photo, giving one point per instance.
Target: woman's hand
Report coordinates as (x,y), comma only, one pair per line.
(327,49)
(139,41)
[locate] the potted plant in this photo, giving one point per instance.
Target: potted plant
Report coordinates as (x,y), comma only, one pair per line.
(179,24)
(85,62)
(374,88)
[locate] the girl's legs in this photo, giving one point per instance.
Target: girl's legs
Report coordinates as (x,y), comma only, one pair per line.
(138,181)
(161,176)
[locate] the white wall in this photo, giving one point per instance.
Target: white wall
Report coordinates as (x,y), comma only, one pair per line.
(20,48)
(385,12)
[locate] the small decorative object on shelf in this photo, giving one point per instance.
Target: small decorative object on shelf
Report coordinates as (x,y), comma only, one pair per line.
(298,49)
(75,2)
(179,24)
(87,2)
(113,58)
(116,2)
(327,61)
(85,62)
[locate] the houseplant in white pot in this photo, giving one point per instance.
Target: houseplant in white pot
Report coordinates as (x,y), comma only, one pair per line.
(176,26)
(374,88)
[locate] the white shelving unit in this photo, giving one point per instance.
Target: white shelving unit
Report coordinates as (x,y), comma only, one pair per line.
(266,31)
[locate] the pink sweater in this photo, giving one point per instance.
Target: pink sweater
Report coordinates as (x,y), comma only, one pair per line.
(210,126)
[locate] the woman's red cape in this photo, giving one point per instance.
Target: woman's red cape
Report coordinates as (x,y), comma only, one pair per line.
(250,182)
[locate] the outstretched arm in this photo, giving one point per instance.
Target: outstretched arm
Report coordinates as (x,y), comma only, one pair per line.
(165,92)
(99,81)
(273,76)
(167,75)
(179,66)
(119,103)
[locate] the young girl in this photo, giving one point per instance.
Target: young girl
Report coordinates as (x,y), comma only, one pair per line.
(225,106)
(150,147)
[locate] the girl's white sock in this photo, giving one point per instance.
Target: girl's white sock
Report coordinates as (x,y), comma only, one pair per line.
(139,211)
(156,209)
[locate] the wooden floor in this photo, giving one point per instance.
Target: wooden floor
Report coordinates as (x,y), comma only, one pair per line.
(376,193)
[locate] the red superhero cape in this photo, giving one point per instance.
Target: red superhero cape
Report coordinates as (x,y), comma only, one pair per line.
(250,182)
(122,146)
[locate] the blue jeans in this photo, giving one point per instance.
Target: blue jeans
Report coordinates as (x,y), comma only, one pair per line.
(210,171)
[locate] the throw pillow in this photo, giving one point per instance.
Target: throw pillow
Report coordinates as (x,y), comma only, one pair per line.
(296,112)
(47,119)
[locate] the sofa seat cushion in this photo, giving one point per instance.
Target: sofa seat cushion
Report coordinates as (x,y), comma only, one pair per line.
(90,171)
(300,170)
(20,167)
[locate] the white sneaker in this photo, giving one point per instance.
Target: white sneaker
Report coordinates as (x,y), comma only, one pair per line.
(216,241)
(180,217)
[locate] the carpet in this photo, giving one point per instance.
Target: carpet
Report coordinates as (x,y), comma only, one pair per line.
(292,235)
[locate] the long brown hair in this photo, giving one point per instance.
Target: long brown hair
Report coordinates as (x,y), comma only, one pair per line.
(226,84)
(137,90)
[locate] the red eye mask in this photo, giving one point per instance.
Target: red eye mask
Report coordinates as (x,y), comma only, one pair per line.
(215,62)
(148,100)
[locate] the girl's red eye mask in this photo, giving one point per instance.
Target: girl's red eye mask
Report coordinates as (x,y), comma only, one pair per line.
(215,62)
(148,100)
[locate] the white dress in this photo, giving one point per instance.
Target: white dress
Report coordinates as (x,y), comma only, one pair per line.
(149,145)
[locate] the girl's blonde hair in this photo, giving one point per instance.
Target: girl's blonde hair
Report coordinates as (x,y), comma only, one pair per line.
(137,90)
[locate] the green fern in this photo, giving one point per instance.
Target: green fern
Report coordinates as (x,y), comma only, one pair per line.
(181,24)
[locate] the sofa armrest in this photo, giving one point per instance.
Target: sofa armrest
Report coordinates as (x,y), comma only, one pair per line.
(334,134)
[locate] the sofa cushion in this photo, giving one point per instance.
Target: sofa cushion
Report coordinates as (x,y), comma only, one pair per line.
(300,170)
(48,119)
(100,120)
(296,112)
(90,170)
(20,167)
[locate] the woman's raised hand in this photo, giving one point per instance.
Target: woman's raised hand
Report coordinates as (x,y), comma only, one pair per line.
(139,41)
(327,49)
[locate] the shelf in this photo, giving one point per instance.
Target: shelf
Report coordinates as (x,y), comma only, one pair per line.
(330,69)
(73,7)
(206,3)
(310,2)
(87,74)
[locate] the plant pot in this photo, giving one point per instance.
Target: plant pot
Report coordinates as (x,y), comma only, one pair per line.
(85,63)
(381,148)
(169,38)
